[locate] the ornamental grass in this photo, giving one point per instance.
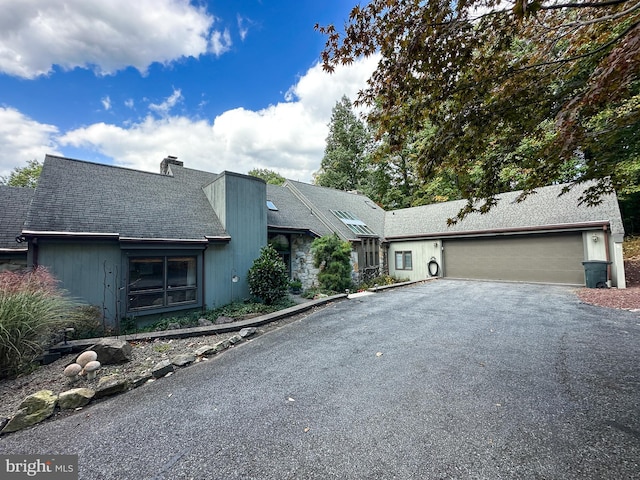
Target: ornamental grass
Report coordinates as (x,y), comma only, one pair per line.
(32,309)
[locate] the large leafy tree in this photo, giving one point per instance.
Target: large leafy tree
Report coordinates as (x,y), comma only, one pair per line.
(537,91)
(269,176)
(24,176)
(344,165)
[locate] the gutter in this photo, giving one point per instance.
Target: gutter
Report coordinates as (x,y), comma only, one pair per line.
(122,239)
(563,227)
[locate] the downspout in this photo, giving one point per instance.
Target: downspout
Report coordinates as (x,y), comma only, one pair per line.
(606,252)
(204,284)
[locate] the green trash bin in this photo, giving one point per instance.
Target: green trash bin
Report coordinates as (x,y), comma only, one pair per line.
(595,273)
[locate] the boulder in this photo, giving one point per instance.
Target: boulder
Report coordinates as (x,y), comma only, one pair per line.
(112,351)
(33,409)
(247,332)
(235,339)
(111,385)
(174,326)
(162,368)
(76,397)
(203,322)
(221,346)
(183,359)
(222,320)
(205,350)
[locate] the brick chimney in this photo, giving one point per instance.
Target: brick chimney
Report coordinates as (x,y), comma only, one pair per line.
(170,160)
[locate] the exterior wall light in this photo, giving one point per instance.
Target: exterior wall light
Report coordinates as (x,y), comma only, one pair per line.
(594,237)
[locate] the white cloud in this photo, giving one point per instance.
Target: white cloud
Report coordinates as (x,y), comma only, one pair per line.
(106,103)
(242,27)
(36,35)
(129,103)
(23,139)
(163,108)
(220,42)
(288,137)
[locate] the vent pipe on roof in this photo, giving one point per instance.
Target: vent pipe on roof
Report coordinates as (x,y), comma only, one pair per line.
(170,160)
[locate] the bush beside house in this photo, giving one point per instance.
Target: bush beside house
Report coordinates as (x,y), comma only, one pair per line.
(268,278)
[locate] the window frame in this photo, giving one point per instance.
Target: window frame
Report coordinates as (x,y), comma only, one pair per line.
(191,290)
(403,255)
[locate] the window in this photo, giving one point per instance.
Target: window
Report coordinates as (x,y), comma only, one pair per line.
(404,261)
(272,206)
(352,222)
(161,281)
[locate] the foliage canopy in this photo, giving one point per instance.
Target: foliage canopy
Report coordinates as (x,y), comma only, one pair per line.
(268,276)
(269,176)
(24,176)
(540,91)
(333,257)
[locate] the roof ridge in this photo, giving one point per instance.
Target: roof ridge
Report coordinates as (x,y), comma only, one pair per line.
(307,203)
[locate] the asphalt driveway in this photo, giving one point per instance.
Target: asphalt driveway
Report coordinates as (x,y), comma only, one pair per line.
(448,379)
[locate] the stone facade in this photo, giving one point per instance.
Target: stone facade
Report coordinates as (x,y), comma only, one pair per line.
(302,261)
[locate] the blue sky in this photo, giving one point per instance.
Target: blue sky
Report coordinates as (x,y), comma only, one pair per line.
(222,85)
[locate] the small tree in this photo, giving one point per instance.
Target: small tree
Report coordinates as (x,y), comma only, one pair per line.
(268,276)
(333,257)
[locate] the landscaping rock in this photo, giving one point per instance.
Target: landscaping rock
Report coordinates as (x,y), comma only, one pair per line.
(203,322)
(140,380)
(111,385)
(221,346)
(174,326)
(112,351)
(222,319)
(205,350)
(183,359)
(235,339)
(74,398)
(162,368)
(247,332)
(33,409)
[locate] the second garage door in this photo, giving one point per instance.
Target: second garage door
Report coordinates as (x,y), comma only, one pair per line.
(533,258)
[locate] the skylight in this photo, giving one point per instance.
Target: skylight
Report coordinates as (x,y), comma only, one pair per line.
(352,222)
(271,206)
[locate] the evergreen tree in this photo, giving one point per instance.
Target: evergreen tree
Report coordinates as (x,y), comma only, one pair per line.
(344,165)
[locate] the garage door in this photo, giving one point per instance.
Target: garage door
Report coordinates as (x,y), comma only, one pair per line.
(532,258)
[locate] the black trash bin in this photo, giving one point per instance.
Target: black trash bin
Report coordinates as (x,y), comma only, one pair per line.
(595,273)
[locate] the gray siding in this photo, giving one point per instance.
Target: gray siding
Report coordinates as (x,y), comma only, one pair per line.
(90,271)
(239,201)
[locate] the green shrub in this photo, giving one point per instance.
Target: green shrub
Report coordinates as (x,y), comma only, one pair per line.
(268,276)
(381,280)
(333,257)
(32,311)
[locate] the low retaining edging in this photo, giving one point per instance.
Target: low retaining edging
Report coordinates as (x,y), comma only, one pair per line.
(79,345)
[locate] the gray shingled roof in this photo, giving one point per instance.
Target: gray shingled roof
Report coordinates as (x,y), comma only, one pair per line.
(83,197)
(15,203)
(292,214)
(323,200)
(542,209)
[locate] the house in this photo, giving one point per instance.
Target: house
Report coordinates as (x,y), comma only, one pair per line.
(140,245)
(15,203)
(137,243)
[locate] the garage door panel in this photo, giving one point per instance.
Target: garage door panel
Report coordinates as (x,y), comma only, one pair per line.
(534,258)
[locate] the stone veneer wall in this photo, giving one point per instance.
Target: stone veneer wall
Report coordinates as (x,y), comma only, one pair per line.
(302,261)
